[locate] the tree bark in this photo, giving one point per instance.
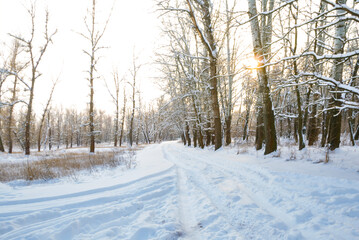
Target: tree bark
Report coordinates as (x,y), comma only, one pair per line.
(123,115)
(338,65)
(312,123)
(188,138)
(268,114)
(259,129)
(28,116)
(208,41)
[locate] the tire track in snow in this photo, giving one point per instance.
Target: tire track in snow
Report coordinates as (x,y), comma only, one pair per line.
(259,181)
(220,199)
(78,213)
(299,213)
(206,212)
(87,192)
(186,209)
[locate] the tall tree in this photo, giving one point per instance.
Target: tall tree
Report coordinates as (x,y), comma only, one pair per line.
(123,116)
(94,36)
(115,95)
(134,72)
(229,108)
(43,116)
(208,40)
(337,74)
(264,90)
(15,69)
(35,58)
(294,10)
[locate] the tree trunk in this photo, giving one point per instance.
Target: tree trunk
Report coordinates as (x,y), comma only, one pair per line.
(50,132)
(194,138)
(289,123)
(91,115)
(39,138)
(208,134)
(300,120)
(183,139)
(295,130)
(2,149)
(268,114)
(10,122)
(28,117)
(9,128)
(338,65)
(227,129)
(188,139)
(356,135)
(200,138)
(209,42)
(325,125)
(133,109)
(228,117)
(116,127)
(245,128)
(312,123)
(123,116)
(351,132)
(295,73)
(259,128)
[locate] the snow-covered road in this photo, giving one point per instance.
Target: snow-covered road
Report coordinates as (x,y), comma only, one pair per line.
(184,193)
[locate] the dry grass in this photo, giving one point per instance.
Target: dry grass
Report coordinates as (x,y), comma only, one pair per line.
(66,165)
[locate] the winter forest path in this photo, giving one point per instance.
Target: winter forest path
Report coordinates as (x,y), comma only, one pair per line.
(178,192)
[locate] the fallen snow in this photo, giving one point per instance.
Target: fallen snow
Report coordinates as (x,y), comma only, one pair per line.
(176,192)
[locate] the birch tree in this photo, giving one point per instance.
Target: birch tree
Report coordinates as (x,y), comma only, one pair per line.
(264,90)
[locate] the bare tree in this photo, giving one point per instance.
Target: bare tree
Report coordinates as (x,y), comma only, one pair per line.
(115,95)
(43,116)
(259,53)
(35,58)
(3,76)
(15,68)
(134,72)
(338,66)
(123,116)
(209,42)
(94,36)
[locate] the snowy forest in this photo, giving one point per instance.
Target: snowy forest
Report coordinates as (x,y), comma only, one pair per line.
(179,119)
(281,69)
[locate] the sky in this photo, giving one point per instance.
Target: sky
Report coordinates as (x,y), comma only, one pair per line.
(133,27)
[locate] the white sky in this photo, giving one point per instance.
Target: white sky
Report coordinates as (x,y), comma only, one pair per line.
(133,23)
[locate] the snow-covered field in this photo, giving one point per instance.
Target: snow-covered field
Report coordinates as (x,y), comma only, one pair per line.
(176,192)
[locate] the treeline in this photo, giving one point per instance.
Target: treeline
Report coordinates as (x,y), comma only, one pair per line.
(20,126)
(265,70)
(305,83)
(68,128)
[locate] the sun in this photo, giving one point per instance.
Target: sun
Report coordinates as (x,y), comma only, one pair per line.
(251,63)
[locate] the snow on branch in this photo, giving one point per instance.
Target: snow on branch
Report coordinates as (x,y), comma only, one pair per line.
(344,7)
(332,82)
(5,71)
(267,12)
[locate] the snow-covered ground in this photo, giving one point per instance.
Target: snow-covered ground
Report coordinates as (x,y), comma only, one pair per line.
(176,192)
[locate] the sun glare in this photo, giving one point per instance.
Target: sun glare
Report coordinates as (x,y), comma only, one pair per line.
(251,63)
